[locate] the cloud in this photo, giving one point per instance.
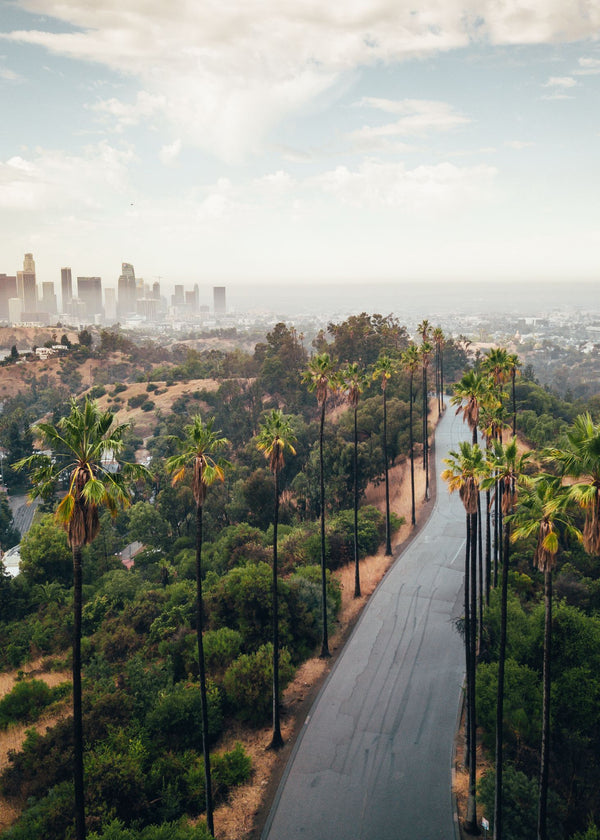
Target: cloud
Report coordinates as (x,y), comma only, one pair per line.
(588,67)
(224,74)
(559,85)
(424,190)
(519,144)
(169,154)
(416,118)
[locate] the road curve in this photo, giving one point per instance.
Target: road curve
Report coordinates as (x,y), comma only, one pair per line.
(373,761)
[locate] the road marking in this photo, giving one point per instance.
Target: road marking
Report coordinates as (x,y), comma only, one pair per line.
(462,545)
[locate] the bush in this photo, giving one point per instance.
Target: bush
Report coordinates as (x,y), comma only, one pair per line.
(136,400)
(182,830)
(174,722)
(221,647)
(119,388)
(228,770)
(27,700)
(147,405)
(248,682)
(520,795)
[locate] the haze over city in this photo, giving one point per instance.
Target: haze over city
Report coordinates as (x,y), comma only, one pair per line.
(290,142)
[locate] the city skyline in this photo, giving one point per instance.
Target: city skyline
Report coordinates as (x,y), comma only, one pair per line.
(285,141)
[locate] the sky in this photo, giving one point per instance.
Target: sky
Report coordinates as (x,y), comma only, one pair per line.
(285,141)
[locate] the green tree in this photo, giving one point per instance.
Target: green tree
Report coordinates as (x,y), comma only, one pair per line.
(198,452)
(354,381)
(319,376)
(85,444)
(506,468)
(45,553)
(465,470)
(542,513)
(411,362)
(275,436)
(384,369)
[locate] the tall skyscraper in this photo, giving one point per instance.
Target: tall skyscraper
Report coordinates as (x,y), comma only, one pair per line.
(8,289)
(178,298)
(110,306)
(126,290)
(26,286)
(48,302)
(219,302)
(89,290)
(66,288)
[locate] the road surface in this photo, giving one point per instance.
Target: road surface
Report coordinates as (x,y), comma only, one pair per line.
(373,761)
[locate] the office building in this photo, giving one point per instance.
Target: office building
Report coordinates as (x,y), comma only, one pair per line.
(15,310)
(48,302)
(126,291)
(219,302)
(110,306)
(89,291)
(66,288)
(8,289)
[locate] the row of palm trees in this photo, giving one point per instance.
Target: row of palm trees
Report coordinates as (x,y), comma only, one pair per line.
(541,506)
(85,442)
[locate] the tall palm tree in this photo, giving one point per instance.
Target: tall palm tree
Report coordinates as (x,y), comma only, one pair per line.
(275,436)
(85,447)
(465,470)
(426,350)
(438,341)
(354,380)
(506,468)
(580,458)
(542,512)
(384,370)
(320,377)
(470,393)
(198,453)
(514,364)
(411,361)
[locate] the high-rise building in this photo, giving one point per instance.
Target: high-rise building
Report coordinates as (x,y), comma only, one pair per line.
(15,310)
(29,264)
(178,298)
(26,286)
(89,290)
(66,288)
(219,302)
(126,290)
(110,305)
(48,302)
(8,289)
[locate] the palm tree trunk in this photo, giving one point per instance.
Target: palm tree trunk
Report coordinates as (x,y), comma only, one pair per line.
(388,538)
(471,820)
(467,645)
(77,705)
(488,549)
(545,751)
(514,401)
(356,565)
(496,532)
(325,638)
(202,673)
(413,518)
(442,376)
(500,689)
(480,564)
(276,740)
(425,436)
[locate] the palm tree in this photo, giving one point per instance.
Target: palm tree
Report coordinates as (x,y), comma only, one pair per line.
(438,341)
(580,457)
(320,377)
(354,380)
(541,513)
(86,448)
(198,452)
(470,393)
(275,436)
(426,350)
(506,467)
(465,470)
(384,369)
(411,361)
(514,364)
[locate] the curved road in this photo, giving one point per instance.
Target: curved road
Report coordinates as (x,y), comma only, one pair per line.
(373,761)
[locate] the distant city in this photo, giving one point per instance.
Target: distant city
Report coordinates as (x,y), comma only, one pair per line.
(132,302)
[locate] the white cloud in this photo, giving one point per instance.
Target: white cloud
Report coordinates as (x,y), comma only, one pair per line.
(519,144)
(559,85)
(588,67)
(425,189)
(121,114)
(169,154)
(417,118)
(226,73)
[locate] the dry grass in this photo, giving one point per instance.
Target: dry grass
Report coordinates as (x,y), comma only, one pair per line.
(13,737)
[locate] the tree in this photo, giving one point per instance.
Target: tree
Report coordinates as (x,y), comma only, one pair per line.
(354,381)
(506,468)
(580,458)
(86,446)
(426,350)
(275,436)
(411,362)
(319,376)
(45,554)
(469,395)
(197,453)
(384,369)
(542,512)
(438,342)
(465,470)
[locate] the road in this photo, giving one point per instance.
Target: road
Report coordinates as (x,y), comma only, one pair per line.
(373,761)
(23,512)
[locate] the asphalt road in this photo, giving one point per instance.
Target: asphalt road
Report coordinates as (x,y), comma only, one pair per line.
(373,761)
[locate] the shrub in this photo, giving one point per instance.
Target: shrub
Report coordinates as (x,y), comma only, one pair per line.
(181,830)
(27,700)
(119,387)
(136,400)
(174,722)
(221,647)
(147,405)
(248,682)
(228,770)
(97,391)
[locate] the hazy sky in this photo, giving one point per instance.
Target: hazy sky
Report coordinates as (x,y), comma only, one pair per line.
(233,140)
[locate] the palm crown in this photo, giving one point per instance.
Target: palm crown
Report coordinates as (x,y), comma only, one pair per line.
(198,452)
